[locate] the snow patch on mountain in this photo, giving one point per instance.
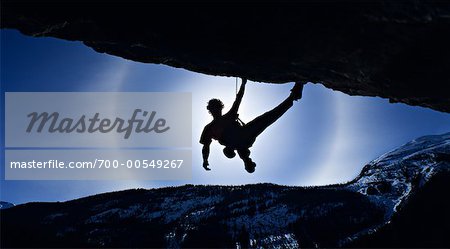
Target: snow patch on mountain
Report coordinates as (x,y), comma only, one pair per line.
(5,205)
(287,241)
(173,212)
(390,179)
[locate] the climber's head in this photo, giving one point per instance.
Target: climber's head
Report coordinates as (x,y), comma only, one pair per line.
(215,107)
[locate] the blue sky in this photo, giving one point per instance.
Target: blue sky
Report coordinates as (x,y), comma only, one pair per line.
(327,137)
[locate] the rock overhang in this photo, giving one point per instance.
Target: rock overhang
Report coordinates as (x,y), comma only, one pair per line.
(394,50)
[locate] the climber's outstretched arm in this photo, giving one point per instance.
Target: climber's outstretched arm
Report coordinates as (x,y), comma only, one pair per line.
(205,152)
(235,107)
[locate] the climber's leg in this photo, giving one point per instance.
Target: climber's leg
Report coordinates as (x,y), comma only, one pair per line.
(244,154)
(259,124)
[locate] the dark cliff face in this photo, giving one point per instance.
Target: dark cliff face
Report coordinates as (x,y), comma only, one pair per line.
(396,50)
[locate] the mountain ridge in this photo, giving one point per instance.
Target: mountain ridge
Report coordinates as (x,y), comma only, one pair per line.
(257,215)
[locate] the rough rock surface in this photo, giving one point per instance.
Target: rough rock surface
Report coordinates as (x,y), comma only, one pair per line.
(392,49)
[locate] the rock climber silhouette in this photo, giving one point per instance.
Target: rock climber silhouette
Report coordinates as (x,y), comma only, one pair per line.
(233,133)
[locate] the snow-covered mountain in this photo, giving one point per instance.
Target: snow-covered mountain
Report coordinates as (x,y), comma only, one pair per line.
(390,178)
(5,205)
(257,216)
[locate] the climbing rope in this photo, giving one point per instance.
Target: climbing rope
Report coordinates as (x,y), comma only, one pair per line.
(237,118)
